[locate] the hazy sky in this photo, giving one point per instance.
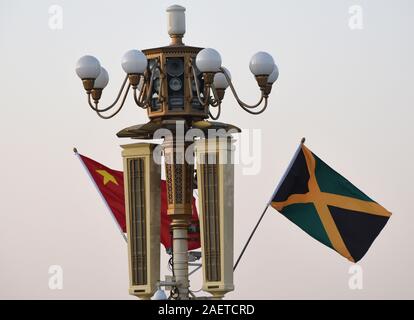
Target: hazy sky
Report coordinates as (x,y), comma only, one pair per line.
(349,91)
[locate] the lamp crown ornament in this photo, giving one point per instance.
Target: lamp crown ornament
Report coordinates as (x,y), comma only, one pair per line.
(175,81)
(176,23)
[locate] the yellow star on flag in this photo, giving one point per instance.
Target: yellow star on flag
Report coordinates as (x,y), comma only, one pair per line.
(107,177)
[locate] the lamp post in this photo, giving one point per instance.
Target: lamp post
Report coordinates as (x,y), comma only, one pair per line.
(179,84)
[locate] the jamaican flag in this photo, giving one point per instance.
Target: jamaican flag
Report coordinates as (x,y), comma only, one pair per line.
(328,207)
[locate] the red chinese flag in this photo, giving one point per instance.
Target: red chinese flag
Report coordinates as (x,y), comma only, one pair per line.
(110,184)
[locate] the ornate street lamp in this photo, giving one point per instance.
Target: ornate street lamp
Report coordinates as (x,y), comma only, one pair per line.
(177,84)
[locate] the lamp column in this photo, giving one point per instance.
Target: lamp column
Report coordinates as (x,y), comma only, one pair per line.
(179,177)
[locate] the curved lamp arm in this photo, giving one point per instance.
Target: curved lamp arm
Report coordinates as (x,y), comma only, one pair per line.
(207,94)
(218,112)
(216,101)
(95,108)
(257,112)
(239,101)
(140,100)
(119,108)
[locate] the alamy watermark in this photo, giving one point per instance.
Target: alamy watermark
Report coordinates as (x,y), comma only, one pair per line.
(245,149)
(56,277)
(356,280)
(55,21)
(356,19)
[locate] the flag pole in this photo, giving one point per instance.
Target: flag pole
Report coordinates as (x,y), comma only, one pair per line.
(99,191)
(269,202)
(250,237)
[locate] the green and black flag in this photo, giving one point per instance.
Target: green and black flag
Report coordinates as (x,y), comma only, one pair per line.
(328,207)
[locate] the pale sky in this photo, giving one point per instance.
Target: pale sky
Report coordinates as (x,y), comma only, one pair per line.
(349,92)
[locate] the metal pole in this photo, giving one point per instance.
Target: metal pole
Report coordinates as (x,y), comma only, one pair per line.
(180,257)
(250,237)
(270,200)
(195,270)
